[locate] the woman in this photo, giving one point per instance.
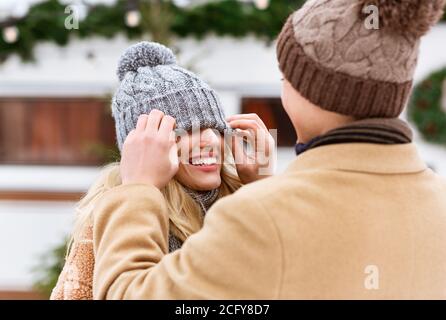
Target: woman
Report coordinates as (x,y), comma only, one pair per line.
(154,86)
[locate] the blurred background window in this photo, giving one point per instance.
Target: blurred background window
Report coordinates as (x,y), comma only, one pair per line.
(270,110)
(55,131)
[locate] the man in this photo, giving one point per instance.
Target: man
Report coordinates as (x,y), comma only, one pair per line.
(357,215)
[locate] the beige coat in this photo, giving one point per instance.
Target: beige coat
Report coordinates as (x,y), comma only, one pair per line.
(346,221)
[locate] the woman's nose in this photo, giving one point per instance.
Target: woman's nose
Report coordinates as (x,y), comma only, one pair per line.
(208,138)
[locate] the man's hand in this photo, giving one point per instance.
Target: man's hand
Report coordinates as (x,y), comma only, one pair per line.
(149,154)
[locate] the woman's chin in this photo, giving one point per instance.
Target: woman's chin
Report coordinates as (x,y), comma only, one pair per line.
(203,178)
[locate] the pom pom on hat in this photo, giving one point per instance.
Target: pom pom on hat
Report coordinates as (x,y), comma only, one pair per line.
(144,54)
(408,17)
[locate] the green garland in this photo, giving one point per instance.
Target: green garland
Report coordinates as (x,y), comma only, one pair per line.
(425,108)
(46,272)
(45,22)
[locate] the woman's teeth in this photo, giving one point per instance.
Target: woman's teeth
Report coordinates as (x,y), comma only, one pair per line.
(204,161)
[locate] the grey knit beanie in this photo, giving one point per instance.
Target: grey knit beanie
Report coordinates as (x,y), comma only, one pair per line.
(151,79)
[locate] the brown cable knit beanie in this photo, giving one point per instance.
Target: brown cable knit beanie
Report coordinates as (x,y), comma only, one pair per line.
(330,56)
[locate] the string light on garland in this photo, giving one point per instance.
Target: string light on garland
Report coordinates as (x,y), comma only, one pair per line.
(133,19)
(132,16)
(8,27)
(10,34)
(182,3)
(261,4)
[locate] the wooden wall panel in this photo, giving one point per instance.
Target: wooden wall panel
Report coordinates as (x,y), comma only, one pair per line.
(55,130)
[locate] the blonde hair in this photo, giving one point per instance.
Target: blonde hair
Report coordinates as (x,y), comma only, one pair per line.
(185,217)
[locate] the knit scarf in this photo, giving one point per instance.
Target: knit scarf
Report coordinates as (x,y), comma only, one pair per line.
(377,130)
(204,199)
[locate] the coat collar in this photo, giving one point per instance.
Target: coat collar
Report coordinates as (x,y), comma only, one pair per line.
(361,157)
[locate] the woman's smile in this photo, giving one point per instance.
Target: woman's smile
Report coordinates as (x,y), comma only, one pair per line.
(206,164)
